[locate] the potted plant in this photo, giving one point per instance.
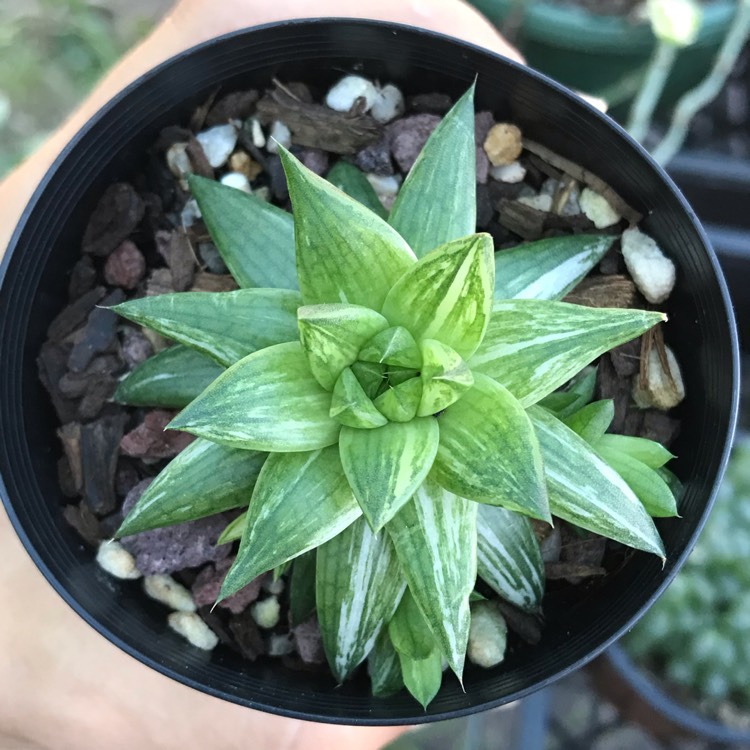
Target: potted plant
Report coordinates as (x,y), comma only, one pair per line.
(342,44)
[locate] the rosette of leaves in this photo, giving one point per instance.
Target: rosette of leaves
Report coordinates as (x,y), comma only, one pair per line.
(371,395)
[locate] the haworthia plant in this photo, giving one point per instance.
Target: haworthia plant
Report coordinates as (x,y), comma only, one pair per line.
(381,394)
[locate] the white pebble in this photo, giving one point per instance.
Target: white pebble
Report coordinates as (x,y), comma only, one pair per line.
(256,131)
(345,93)
(386,188)
(279,135)
(273,587)
(511,173)
(487,635)
(652,272)
(659,389)
(541,202)
(280,645)
(190,213)
(236,180)
(598,209)
(218,144)
(178,160)
(266,612)
(191,627)
(166,590)
(388,105)
(117,561)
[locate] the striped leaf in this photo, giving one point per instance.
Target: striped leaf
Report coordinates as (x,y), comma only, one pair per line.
(593,420)
(508,557)
(267,401)
(358,587)
(202,480)
(225,326)
(345,252)
(399,403)
(534,346)
(489,453)
(651,453)
(351,406)
(445,377)
(437,202)
(332,336)
(394,346)
(547,269)
(254,237)
(170,379)
(384,667)
(301,500)
(302,588)
(587,492)
(385,466)
(233,530)
(423,677)
(352,181)
(435,535)
(447,295)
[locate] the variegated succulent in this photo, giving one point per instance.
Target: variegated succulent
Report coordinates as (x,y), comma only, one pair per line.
(382,394)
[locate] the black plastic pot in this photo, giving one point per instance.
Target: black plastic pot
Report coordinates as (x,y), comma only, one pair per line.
(45,246)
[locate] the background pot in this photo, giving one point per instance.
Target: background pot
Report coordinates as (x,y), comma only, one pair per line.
(45,247)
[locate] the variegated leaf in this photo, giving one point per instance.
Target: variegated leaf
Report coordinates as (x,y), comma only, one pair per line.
(593,420)
(423,677)
(489,453)
(351,406)
(302,588)
(649,452)
(352,181)
(385,466)
(508,557)
(445,377)
(254,237)
(358,587)
(534,346)
(345,252)
(225,326)
(384,667)
(301,500)
(437,202)
(267,401)
(399,403)
(394,346)
(447,295)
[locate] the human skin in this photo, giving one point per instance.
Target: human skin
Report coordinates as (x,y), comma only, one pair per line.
(62,685)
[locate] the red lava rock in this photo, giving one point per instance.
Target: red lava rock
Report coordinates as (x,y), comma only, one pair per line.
(208,584)
(309,642)
(151,440)
(408,136)
(125,267)
(118,213)
(82,278)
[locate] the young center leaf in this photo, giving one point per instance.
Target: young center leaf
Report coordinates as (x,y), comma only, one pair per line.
(393,346)
(399,403)
(352,181)
(351,406)
(445,377)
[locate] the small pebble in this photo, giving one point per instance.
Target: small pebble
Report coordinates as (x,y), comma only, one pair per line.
(388,105)
(273,587)
(218,144)
(136,348)
(375,158)
(166,590)
(652,272)
(236,180)
(280,135)
(659,390)
(178,160)
(540,202)
(342,96)
(211,258)
(315,159)
(386,188)
(117,561)
(280,645)
(190,213)
(266,612)
(512,173)
(191,627)
(408,136)
(125,267)
(242,162)
(309,642)
(256,131)
(503,144)
(487,635)
(598,209)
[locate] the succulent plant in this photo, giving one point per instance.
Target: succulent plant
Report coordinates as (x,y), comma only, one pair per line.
(374,394)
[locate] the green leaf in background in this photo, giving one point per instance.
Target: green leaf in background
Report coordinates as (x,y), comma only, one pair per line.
(649,452)
(534,346)
(302,588)
(384,667)
(301,500)
(394,346)
(447,295)
(576,395)
(170,379)
(422,677)
(409,631)
(437,202)
(400,402)
(226,326)
(593,420)
(358,587)
(351,406)
(267,401)
(233,530)
(445,377)
(508,557)
(549,268)
(511,473)
(345,253)
(204,479)
(352,181)
(254,237)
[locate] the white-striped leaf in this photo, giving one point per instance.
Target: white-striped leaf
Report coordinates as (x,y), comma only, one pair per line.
(445,377)
(587,492)
(170,379)
(394,346)
(345,252)
(489,453)
(651,453)
(254,237)
(226,326)
(593,420)
(302,588)
(202,480)
(332,336)
(534,346)
(400,402)
(447,295)
(508,557)
(385,466)
(301,500)
(437,202)
(352,181)
(351,406)
(435,535)
(358,586)
(267,401)
(547,269)
(423,677)
(384,667)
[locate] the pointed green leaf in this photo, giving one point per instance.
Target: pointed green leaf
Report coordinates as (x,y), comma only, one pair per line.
(399,403)
(508,557)
(370,375)
(233,530)
(534,346)
(447,295)
(398,375)
(445,377)
(226,326)
(576,395)
(489,453)
(267,401)
(593,420)
(547,269)
(384,667)
(394,346)
(587,492)
(649,452)
(204,479)
(351,406)
(345,252)
(302,588)
(352,181)
(423,677)
(332,336)
(385,466)
(437,202)
(409,631)
(435,535)
(171,379)
(358,587)
(254,237)
(301,500)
